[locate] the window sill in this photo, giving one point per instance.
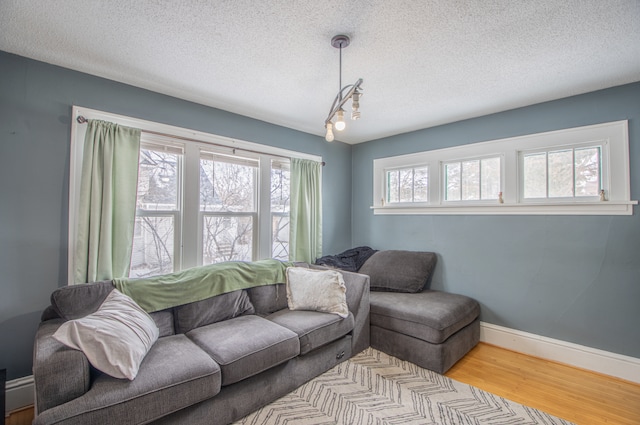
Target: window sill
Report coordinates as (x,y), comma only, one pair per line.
(591,208)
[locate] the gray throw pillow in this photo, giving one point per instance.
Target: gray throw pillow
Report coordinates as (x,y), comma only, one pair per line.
(399,271)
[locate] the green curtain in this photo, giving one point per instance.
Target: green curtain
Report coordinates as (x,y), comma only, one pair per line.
(107,210)
(305,238)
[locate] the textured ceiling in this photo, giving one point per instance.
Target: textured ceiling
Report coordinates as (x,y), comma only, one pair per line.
(424,63)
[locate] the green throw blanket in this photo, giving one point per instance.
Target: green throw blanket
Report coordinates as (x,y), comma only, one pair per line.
(199,283)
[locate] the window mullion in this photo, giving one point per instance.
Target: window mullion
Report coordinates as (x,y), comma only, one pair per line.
(546,180)
(262,229)
(480,179)
(191,224)
(573,172)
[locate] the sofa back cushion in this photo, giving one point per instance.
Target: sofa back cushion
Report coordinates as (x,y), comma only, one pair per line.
(164,321)
(211,310)
(400,271)
(76,301)
(268,298)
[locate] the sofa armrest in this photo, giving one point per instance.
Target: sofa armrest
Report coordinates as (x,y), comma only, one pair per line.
(358,303)
(60,373)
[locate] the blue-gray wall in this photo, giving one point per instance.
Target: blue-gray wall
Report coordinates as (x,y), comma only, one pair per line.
(575,279)
(35,124)
(572,278)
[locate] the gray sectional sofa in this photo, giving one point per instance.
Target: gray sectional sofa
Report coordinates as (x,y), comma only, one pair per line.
(223,357)
(433,329)
(216,360)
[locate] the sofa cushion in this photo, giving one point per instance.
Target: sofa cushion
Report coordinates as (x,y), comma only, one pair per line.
(400,271)
(431,316)
(165,383)
(211,310)
(76,301)
(268,298)
(316,290)
(164,321)
(115,338)
(314,329)
(246,345)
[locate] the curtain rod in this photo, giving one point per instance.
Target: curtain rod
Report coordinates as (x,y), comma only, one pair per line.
(83,120)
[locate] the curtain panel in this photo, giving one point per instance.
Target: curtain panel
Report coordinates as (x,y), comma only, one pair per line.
(305,239)
(107,209)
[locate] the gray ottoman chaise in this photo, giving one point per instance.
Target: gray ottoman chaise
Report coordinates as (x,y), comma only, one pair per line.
(432,329)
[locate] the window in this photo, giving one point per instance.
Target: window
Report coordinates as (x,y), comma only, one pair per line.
(157,211)
(228,207)
(573,172)
(280,203)
(201,198)
(472,179)
(579,171)
(408,185)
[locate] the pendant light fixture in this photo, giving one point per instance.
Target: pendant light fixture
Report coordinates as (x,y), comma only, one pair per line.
(353,92)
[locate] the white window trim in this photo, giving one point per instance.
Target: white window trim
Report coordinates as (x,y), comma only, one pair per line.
(616,181)
(207,141)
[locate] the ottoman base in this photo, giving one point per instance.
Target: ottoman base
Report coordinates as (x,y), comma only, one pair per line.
(436,357)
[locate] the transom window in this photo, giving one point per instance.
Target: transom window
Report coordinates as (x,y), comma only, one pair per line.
(576,171)
(472,179)
(563,173)
(408,185)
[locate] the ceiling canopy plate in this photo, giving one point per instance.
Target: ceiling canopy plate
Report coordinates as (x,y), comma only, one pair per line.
(340,41)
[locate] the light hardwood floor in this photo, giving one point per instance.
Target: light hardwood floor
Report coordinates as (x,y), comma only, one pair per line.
(579,396)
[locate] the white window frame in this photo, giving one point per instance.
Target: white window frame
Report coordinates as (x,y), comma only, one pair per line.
(413,169)
(604,174)
(468,202)
(155,142)
(613,136)
(192,142)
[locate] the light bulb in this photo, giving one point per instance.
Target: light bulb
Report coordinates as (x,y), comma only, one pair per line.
(340,124)
(329,136)
(355,104)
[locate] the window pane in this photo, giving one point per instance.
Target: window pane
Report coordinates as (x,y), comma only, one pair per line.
(280,237)
(280,203)
(452,172)
(280,189)
(392,185)
(490,170)
(587,163)
(226,186)
(152,246)
(561,174)
(406,185)
(157,180)
(535,175)
(226,239)
(421,185)
(471,180)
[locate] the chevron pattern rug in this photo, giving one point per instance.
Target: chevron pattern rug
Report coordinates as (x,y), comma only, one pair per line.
(374,388)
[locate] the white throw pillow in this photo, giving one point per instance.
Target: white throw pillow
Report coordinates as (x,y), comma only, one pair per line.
(115,338)
(318,290)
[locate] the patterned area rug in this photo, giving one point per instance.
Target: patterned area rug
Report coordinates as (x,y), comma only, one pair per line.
(374,388)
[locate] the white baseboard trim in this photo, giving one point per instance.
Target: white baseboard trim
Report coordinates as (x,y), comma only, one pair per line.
(617,365)
(19,393)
